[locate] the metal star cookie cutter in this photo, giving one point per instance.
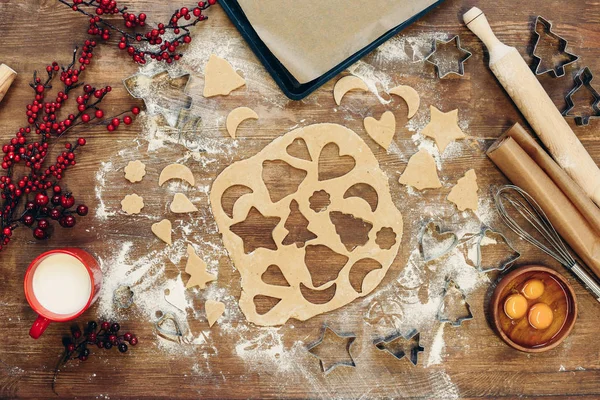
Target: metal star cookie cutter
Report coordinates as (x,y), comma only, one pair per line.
(544,26)
(583,78)
(460,71)
(350,338)
(400,351)
(458,319)
(425,249)
(162,94)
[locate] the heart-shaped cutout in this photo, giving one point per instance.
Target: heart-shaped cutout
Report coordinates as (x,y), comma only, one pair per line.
(162,230)
(434,243)
(333,165)
(382,131)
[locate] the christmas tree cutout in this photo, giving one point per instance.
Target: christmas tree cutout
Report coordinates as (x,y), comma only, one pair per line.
(583,79)
(552,47)
(297,226)
(454,308)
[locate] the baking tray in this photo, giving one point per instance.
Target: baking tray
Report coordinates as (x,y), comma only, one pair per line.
(286,81)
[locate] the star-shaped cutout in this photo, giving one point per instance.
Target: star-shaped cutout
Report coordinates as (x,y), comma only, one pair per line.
(448,57)
(400,345)
(443,128)
(256,231)
(333,349)
(197,270)
(162,94)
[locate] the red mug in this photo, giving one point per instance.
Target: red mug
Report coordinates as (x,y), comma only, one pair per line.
(62,286)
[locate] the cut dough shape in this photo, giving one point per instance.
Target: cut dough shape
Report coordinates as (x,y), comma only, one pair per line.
(313,286)
(135,171)
(132,204)
(464,194)
(196,268)
(214,311)
(382,131)
(162,230)
(443,128)
(410,96)
(236,117)
(421,172)
(176,171)
(220,78)
(181,204)
(347,84)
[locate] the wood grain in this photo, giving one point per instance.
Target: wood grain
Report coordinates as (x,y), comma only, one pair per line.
(475,362)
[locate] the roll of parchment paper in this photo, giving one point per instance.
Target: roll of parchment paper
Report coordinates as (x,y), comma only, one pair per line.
(524,172)
(572,190)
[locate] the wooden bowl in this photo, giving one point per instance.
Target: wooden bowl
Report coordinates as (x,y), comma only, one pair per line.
(558,294)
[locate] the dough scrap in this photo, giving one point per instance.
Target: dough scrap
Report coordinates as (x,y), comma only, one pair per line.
(382,131)
(346,84)
(464,194)
(214,311)
(443,128)
(135,171)
(132,204)
(196,268)
(421,172)
(162,230)
(301,298)
(236,117)
(410,96)
(181,204)
(176,171)
(220,78)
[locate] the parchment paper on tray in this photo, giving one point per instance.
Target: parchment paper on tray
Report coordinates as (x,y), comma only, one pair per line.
(311,37)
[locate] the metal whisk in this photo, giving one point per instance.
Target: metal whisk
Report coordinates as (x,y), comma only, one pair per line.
(512,199)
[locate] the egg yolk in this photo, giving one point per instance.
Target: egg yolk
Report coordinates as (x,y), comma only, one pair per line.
(515,306)
(533,289)
(540,316)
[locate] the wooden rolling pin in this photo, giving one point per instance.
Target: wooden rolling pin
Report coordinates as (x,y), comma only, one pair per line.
(7,76)
(537,107)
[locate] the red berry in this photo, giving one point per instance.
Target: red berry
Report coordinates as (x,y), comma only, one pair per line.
(127,336)
(43,224)
(133,341)
(28,220)
(135,110)
(39,234)
(55,213)
(67,201)
(85,118)
(99,113)
(41,199)
(127,120)
(82,210)
(110,128)
(104,326)
(81,141)
(71,347)
(39,89)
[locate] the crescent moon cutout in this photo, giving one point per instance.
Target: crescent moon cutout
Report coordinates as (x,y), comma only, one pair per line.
(236,117)
(410,96)
(176,171)
(347,84)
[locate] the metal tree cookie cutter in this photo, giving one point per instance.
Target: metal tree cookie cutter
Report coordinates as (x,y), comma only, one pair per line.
(493,238)
(443,65)
(455,317)
(395,345)
(435,243)
(162,94)
(543,26)
(583,78)
(326,366)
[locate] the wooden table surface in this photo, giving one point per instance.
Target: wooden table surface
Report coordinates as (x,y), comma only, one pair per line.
(235,359)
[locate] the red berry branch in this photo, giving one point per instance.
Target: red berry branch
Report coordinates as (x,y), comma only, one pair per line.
(25,199)
(107,337)
(160,43)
